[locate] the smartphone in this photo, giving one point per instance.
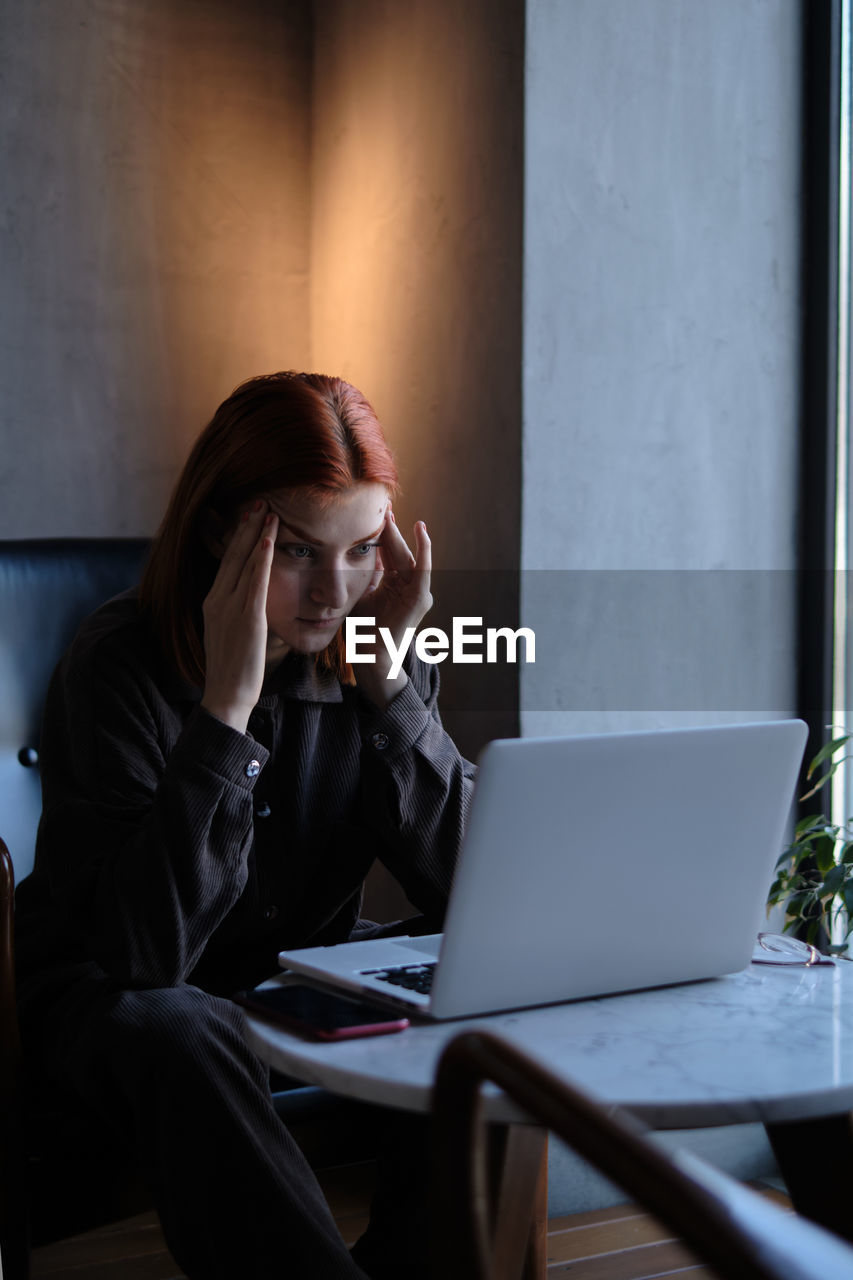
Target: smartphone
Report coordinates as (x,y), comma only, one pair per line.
(321,1014)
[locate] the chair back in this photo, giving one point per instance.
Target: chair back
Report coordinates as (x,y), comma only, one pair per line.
(734,1229)
(13,1236)
(47,587)
(10,1057)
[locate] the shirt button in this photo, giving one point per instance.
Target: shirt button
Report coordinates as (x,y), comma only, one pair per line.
(262,810)
(253,768)
(380,741)
(270,912)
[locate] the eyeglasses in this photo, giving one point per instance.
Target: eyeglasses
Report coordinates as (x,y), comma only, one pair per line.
(782,949)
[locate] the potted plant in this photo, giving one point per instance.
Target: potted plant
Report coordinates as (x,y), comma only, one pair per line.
(814,874)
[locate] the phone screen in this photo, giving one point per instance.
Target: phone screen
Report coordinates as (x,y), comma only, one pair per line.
(321,1014)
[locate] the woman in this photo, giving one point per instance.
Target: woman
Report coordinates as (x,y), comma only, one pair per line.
(217,781)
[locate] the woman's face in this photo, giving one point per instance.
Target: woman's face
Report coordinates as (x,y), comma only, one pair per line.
(324,561)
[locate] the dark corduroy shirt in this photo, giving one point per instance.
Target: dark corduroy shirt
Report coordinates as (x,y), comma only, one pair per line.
(174,849)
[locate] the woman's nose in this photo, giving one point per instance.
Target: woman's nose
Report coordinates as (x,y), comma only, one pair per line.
(329,587)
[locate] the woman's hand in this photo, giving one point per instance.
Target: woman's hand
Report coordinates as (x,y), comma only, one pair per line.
(399,601)
(235,619)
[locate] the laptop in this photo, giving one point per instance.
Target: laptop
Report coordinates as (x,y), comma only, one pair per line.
(593,865)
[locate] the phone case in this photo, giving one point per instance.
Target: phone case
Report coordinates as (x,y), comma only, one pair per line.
(324,1029)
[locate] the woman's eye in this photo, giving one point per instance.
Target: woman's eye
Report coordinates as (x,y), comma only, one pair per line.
(295,551)
(364,548)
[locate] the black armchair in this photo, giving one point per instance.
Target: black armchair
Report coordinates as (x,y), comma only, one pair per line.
(46,588)
(57,1178)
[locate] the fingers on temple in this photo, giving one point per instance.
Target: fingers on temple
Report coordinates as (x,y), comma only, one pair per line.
(245,539)
(423,558)
(396,553)
(263,556)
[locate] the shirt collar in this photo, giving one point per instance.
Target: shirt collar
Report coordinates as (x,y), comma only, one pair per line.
(299,678)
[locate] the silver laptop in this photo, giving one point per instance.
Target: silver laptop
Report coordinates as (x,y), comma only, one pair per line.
(592,865)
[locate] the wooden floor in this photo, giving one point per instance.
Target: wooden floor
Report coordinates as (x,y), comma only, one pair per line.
(621,1243)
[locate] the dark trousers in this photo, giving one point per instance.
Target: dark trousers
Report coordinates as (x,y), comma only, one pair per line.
(171,1073)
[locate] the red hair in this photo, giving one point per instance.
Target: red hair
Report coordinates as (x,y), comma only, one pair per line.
(278,431)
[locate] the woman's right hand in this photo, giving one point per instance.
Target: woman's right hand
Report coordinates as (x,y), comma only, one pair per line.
(235,619)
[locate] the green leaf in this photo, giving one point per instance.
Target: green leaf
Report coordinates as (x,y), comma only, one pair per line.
(812,823)
(832,881)
(812,931)
(797,904)
(829,749)
(826,777)
(797,853)
(824,852)
(775,890)
(826,750)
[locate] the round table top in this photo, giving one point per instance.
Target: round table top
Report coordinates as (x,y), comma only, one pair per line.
(768,1044)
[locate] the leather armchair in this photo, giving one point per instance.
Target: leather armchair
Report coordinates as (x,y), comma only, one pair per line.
(46,588)
(56,1179)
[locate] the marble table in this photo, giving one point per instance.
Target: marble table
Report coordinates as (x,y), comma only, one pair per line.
(771,1044)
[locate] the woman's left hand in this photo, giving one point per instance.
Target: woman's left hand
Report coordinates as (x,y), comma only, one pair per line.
(399,602)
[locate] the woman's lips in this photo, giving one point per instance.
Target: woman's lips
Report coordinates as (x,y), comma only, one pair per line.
(321,624)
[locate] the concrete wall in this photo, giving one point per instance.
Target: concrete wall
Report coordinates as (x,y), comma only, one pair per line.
(175,170)
(416,285)
(199,190)
(416,242)
(153,244)
(660,360)
(182,211)
(660,386)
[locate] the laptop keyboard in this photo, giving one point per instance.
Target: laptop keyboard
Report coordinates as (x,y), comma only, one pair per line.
(414,977)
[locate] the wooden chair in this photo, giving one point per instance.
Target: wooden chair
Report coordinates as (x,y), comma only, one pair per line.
(478,1236)
(61,1173)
